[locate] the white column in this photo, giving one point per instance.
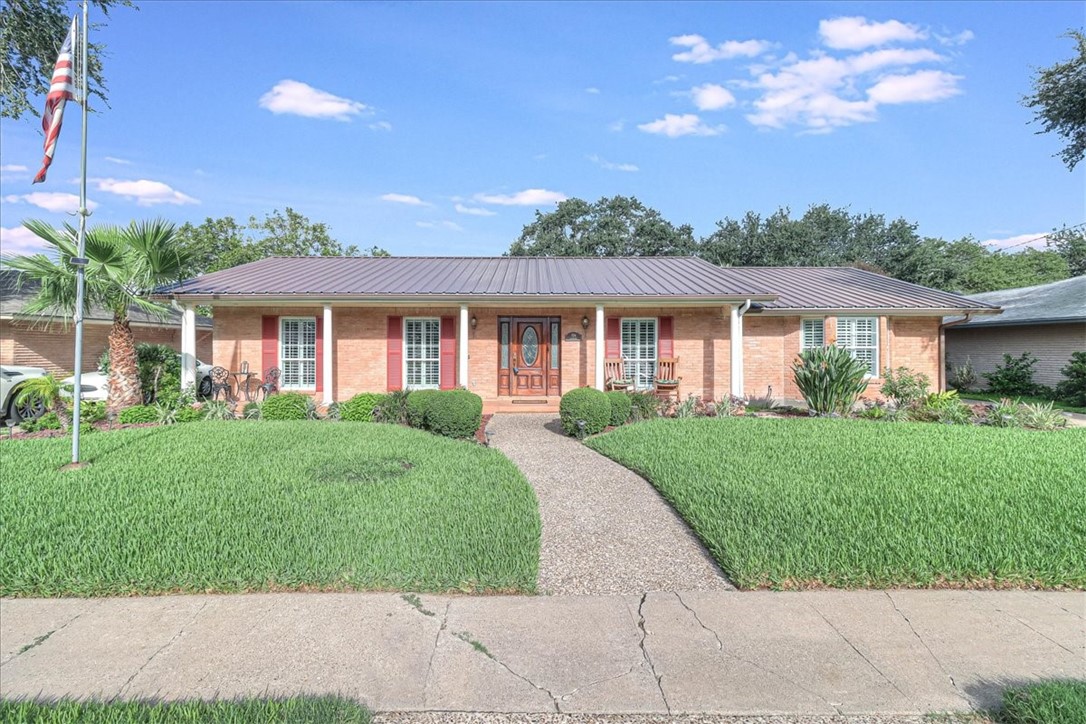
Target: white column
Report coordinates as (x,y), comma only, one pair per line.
(465,329)
(600,345)
(188,347)
(326,351)
(736,344)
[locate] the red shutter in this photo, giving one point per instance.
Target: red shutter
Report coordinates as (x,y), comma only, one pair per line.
(395,353)
(269,343)
(665,338)
(613,348)
(320,354)
(448,353)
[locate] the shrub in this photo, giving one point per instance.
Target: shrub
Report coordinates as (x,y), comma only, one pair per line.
(286,406)
(1004,414)
(964,375)
(621,407)
(945,407)
(829,379)
(164,414)
(417,403)
(360,407)
(159,369)
(1073,389)
(219,410)
(1014,376)
(692,406)
(190,414)
(393,408)
(454,413)
(48,421)
(730,406)
(644,406)
(333,411)
(1041,416)
(138,414)
(584,411)
(903,387)
(92,411)
(251,411)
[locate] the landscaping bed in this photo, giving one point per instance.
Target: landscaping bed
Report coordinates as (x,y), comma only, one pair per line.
(798,503)
(241,506)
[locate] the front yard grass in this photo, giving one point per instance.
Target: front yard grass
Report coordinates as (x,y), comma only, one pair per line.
(312,710)
(240,506)
(792,503)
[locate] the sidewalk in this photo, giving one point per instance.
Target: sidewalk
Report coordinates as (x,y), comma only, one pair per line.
(739,653)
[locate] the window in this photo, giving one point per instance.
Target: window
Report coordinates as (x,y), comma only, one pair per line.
(298,352)
(860,336)
(422,353)
(505,345)
(556,344)
(639,351)
(812,334)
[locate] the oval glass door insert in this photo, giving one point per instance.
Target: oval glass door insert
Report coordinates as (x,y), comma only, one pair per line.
(529,346)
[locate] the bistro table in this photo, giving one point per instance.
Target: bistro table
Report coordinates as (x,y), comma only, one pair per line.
(243,378)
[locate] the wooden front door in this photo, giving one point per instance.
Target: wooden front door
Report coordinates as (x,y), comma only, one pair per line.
(529,358)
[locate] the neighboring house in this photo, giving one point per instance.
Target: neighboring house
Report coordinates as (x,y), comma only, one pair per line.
(37,341)
(520,331)
(1048,321)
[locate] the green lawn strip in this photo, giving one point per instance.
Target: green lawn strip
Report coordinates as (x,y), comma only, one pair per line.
(313,710)
(237,506)
(1050,702)
(1027,399)
(788,503)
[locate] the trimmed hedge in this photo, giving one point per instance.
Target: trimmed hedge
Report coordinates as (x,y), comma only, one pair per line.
(137,414)
(586,404)
(418,401)
(360,407)
(621,407)
(286,406)
(454,413)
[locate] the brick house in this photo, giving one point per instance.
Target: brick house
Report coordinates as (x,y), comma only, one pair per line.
(40,341)
(520,331)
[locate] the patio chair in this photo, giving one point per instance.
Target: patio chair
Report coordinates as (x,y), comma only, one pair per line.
(220,382)
(667,380)
(614,373)
(270,384)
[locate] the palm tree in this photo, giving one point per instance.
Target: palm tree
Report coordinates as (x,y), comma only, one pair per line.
(124,265)
(47,391)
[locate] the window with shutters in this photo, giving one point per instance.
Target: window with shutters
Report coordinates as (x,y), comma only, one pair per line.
(422,353)
(860,336)
(812,334)
(639,351)
(298,352)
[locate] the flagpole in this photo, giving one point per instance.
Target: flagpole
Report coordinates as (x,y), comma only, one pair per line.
(80,262)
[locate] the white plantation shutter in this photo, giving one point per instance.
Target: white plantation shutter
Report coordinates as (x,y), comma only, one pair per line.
(298,352)
(639,351)
(422,352)
(860,336)
(812,334)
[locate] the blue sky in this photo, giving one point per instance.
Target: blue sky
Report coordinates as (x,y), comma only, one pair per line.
(440,128)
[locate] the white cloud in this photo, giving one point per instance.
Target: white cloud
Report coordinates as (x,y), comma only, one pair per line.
(856,33)
(711,97)
(617,126)
(404,199)
(700,51)
(55,201)
(20,240)
(13,168)
(668,79)
(592,91)
(1036,239)
(958,39)
(924,86)
(474,210)
(451,225)
(144,192)
(118,161)
(673,126)
(381,126)
(302,99)
(610,166)
(527,197)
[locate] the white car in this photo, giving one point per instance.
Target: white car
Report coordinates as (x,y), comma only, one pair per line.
(96,384)
(11,379)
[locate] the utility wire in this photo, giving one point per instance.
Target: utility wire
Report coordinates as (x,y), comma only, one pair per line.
(1042,236)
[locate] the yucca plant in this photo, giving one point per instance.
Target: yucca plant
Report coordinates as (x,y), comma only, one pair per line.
(46,391)
(830,379)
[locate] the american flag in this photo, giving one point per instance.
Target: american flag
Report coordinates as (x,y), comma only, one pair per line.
(61,90)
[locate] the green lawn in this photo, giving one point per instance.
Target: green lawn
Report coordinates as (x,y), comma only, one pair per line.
(993,397)
(787,503)
(312,710)
(1050,702)
(237,506)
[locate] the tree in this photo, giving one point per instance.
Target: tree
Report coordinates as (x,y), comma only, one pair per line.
(1059,101)
(616,226)
(1070,243)
(124,265)
(1000,270)
(292,234)
(31,33)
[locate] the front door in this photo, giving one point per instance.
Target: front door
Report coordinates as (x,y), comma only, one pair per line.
(529,360)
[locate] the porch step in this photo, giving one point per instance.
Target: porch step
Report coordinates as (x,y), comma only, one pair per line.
(530,404)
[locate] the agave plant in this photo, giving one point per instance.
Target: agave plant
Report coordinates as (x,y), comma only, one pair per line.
(830,379)
(46,391)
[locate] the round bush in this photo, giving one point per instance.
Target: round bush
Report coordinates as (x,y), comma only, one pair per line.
(137,414)
(621,407)
(189,414)
(417,403)
(454,413)
(286,406)
(360,407)
(585,404)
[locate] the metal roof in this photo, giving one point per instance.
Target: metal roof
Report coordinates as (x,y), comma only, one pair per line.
(661,277)
(1062,301)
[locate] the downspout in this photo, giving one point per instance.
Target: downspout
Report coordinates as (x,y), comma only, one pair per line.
(737,382)
(942,347)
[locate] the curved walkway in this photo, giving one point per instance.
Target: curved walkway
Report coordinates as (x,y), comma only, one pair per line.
(605,529)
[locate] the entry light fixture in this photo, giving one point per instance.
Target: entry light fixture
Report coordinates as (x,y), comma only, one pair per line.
(584,322)
(474,321)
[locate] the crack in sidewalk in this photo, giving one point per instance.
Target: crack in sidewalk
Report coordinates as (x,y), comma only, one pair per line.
(43,638)
(645,652)
(162,648)
(927,648)
(1012,617)
(433,653)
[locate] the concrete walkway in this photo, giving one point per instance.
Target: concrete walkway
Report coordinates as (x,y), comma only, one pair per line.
(605,529)
(661,653)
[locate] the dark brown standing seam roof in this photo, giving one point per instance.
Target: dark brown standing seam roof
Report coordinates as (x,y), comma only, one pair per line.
(667,277)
